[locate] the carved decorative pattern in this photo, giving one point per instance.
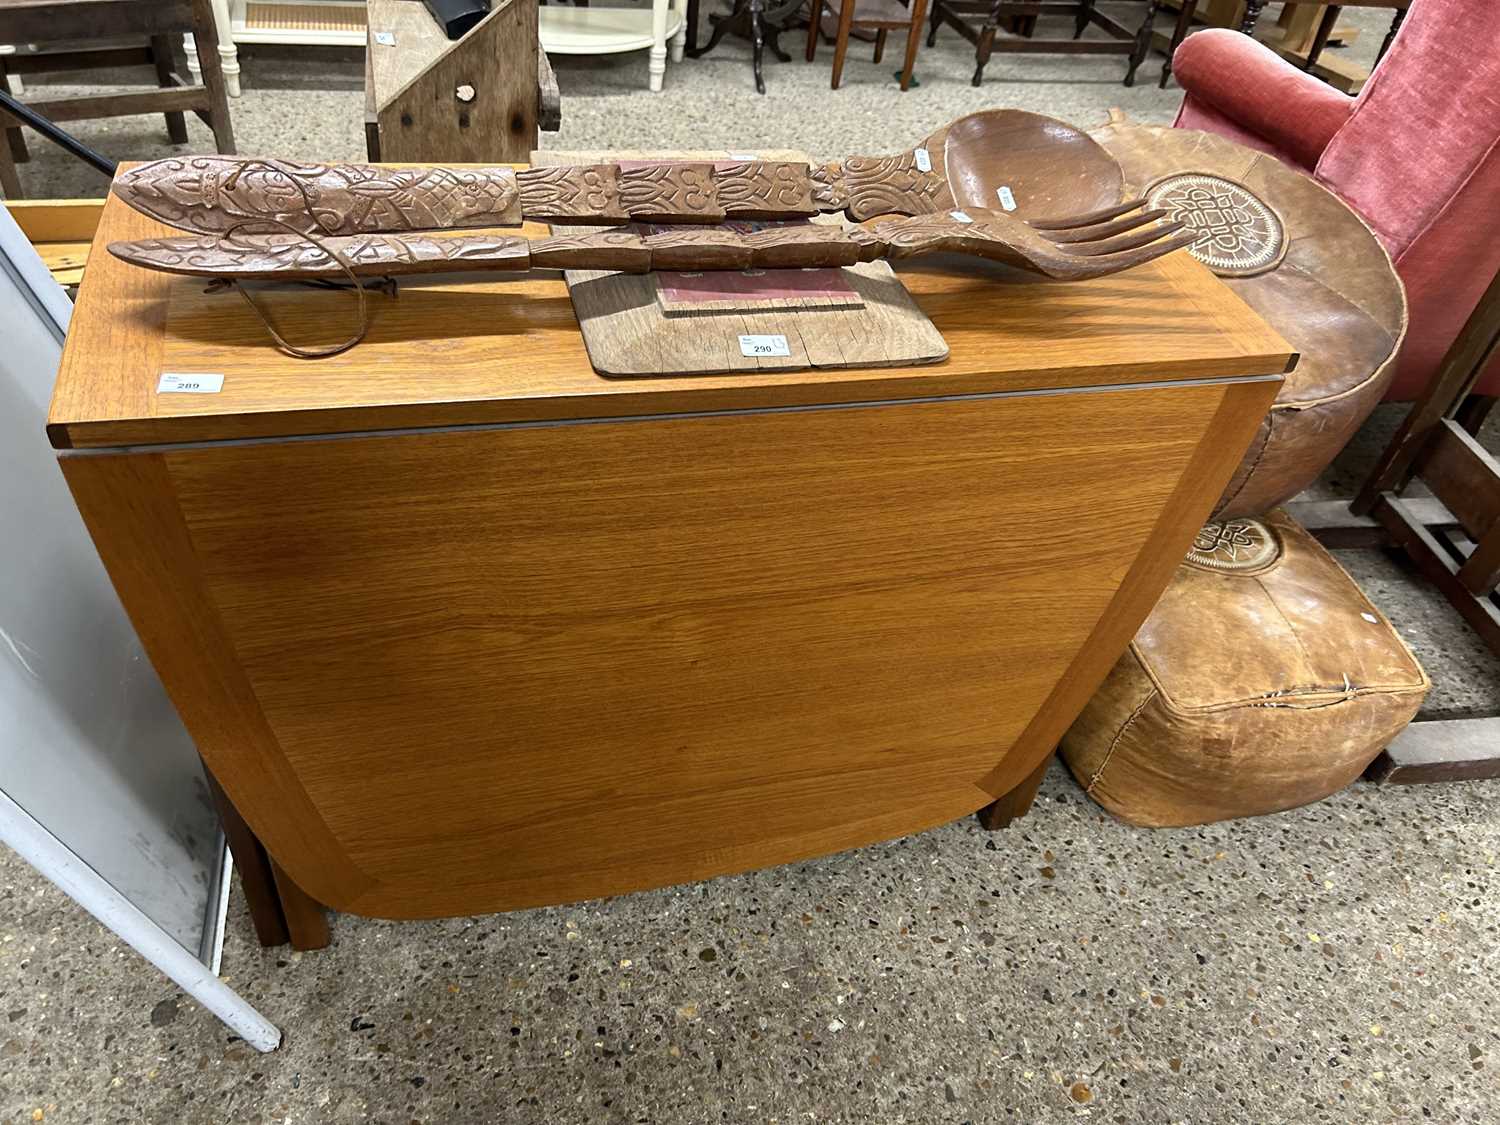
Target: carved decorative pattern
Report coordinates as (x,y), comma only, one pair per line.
(605,249)
(828,187)
(883,185)
(670,192)
(764,190)
(987,234)
(582,193)
(996,237)
(214,194)
(1234,546)
(1238,234)
(594,240)
(287,255)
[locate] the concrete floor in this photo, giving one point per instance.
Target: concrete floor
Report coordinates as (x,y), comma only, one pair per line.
(1336,963)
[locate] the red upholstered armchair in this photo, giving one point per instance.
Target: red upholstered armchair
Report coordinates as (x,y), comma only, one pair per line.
(1417,153)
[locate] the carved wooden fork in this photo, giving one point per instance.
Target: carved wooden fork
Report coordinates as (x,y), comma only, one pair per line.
(1090,245)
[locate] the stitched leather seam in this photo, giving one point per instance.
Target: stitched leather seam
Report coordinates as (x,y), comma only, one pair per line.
(1114,744)
(1359,388)
(1302,697)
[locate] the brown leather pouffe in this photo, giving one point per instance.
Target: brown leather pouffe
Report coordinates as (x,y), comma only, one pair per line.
(1296,254)
(1263,680)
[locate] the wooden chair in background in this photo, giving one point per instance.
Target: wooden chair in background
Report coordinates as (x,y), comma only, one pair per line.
(1452,537)
(880,16)
(1330,17)
(157,22)
(986,17)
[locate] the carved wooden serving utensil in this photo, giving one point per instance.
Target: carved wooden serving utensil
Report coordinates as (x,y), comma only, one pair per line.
(1031,166)
(1088,245)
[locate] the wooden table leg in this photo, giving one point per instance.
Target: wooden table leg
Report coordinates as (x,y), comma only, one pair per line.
(166,78)
(254,867)
(1385,44)
(1142,42)
(1252,16)
(983,49)
(1322,35)
(1016,803)
(1185,14)
(280,910)
(306,917)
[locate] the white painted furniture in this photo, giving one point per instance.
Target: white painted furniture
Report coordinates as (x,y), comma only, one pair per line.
(606,31)
(564,31)
(229,54)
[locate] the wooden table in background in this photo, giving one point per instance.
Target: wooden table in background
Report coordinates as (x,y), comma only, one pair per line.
(461,626)
(1299,34)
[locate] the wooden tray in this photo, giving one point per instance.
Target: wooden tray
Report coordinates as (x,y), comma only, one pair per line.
(627,331)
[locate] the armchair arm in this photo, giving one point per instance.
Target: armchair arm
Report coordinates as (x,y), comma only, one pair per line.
(1261,92)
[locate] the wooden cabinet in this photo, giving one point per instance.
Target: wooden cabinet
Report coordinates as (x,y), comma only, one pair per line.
(462,626)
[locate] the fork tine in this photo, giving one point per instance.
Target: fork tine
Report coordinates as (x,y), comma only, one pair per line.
(1123,242)
(1089,219)
(1085,266)
(1105,230)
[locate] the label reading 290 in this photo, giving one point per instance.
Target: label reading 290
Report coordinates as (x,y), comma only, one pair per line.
(764,346)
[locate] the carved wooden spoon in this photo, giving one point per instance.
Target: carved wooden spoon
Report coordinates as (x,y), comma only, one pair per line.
(1084,246)
(1032,166)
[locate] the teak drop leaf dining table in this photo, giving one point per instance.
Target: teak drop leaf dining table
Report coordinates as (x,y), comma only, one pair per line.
(460,626)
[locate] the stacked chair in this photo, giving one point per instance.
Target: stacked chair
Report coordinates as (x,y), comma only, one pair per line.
(1263,679)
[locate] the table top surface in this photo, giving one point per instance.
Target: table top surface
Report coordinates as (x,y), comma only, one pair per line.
(509,350)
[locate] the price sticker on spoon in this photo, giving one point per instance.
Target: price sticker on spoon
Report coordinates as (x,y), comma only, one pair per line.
(924,160)
(759,346)
(1007,197)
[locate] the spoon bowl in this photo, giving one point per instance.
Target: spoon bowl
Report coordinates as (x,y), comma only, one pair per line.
(1046,168)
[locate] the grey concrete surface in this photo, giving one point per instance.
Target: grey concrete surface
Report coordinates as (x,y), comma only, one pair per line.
(1332,964)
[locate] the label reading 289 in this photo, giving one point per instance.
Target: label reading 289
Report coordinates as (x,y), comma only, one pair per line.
(189,383)
(764,346)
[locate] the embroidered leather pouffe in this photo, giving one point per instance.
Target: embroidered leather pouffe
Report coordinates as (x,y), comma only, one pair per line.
(1263,680)
(1295,253)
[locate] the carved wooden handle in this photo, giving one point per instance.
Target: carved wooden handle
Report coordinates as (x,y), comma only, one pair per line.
(222,194)
(292,257)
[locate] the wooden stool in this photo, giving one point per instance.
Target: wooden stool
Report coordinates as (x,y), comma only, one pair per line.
(879,15)
(1084,13)
(43,21)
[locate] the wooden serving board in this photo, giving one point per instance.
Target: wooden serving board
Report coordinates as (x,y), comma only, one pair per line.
(628,331)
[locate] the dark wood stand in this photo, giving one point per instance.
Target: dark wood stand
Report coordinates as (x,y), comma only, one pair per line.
(760,21)
(1454,540)
(996,13)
